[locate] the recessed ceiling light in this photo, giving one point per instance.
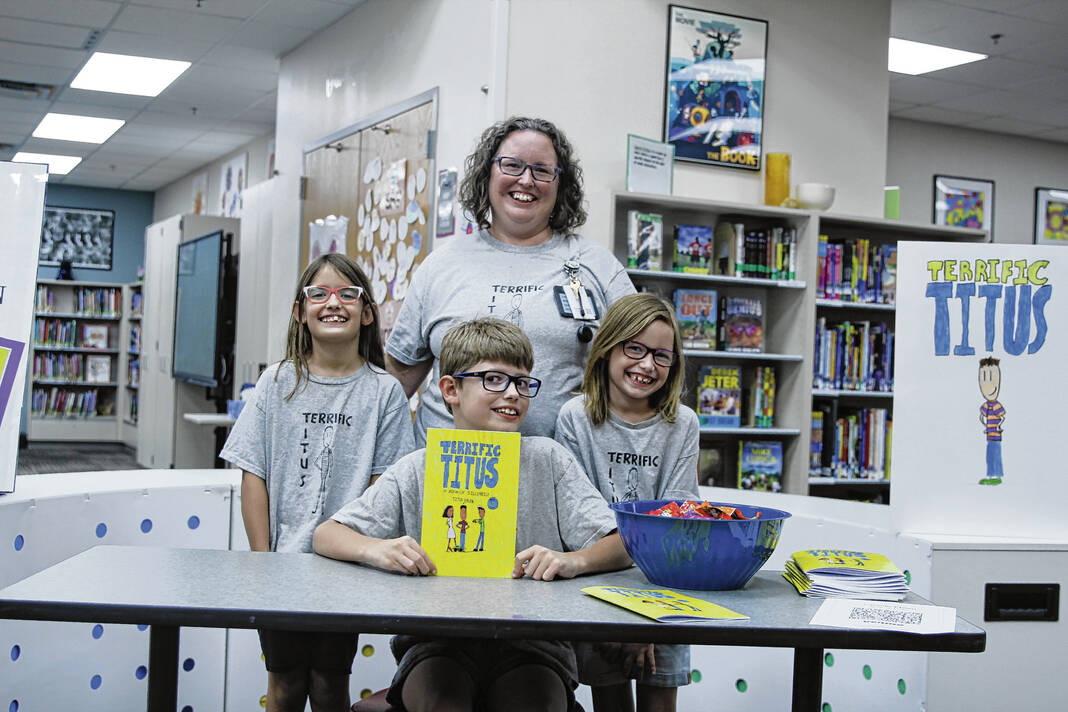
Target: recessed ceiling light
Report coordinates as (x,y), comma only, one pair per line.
(70,127)
(57,165)
(126,74)
(907,57)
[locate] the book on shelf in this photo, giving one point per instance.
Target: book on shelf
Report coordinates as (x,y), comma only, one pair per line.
(840,573)
(695,311)
(470,495)
(765,252)
(693,248)
(860,445)
(645,239)
(761,398)
(719,396)
(760,465)
(136,302)
(711,466)
(663,605)
(724,250)
(820,416)
(95,336)
(97,369)
(856,270)
(741,324)
(853,356)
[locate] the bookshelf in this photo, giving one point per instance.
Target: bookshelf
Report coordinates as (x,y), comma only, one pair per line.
(850,453)
(133,302)
(789,318)
(76,361)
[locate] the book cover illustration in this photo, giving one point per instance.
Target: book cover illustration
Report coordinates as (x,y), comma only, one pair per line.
(663,605)
(693,248)
(97,369)
(710,466)
(742,324)
(645,237)
(470,493)
(760,465)
(695,311)
(95,336)
(719,396)
(761,406)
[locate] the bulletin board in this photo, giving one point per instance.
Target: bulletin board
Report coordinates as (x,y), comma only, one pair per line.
(369,194)
(978,390)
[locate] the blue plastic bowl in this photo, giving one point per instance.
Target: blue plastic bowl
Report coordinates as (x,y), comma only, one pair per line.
(698,554)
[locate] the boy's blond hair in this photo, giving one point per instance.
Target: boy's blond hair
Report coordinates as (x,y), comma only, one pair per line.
(484,339)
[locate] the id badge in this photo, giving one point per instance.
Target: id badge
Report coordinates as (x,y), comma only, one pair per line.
(575,306)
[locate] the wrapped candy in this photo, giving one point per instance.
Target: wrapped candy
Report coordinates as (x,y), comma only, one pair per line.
(690,509)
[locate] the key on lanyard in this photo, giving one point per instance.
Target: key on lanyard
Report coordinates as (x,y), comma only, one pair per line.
(581,306)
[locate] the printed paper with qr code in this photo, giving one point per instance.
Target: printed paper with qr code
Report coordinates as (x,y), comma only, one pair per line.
(885,615)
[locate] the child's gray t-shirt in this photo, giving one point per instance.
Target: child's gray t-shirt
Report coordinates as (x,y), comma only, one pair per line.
(319,449)
(653,459)
(557,507)
(477,276)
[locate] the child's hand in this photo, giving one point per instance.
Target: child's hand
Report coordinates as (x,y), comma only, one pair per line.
(629,655)
(403,555)
(540,563)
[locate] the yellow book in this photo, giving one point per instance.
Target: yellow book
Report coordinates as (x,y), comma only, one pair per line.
(663,605)
(470,494)
(844,562)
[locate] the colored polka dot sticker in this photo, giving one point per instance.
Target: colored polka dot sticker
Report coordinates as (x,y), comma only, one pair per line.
(866,671)
(146,525)
(908,577)
(95,682)
(187,708)
(263,702)
(142,626)
(828,660)
(741,685)
(901,686)
(188,664)
(101,530)
(14,706)
(365,693)
(367,650)
(695,675)
(98,631)
(141,672)
(16,651)
(193,522)
(19,542)
(826,707)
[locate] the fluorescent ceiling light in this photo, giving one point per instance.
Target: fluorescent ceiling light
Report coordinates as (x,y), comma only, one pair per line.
(907,57)
(125,74)
(70,127)
(57,165)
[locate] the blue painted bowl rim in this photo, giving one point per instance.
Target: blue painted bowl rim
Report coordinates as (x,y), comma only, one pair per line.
(766,513)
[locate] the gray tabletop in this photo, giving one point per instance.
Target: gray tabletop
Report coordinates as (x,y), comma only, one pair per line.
(233,589)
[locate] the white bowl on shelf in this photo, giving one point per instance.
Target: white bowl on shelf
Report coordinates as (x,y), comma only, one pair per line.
(815,196)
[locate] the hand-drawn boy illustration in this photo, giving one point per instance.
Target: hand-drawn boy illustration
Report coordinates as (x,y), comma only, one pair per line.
(515,314)
(451,535)
(323,463)
(481,522)
(992,416)
(462,526)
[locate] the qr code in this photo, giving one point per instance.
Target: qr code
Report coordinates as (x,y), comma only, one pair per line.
(886,615)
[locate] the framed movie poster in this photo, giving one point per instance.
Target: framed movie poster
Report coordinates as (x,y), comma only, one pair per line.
(82,235)
(1051,211)
(714,103)
(964,202)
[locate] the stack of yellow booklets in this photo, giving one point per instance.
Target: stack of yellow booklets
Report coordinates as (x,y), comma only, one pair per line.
(470,494)
(663,605)
(838,573)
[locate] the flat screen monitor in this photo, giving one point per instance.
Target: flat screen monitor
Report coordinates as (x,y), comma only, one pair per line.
(198,310)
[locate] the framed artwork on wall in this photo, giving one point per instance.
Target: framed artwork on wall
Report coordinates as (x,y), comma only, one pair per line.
(964,202)
(1051,211)
(714,92)
(84,236)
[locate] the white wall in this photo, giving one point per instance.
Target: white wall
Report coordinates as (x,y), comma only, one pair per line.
(917,150)
(597,68)
(177,197)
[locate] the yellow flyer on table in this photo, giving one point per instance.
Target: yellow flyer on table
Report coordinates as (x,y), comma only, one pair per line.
(843,561)
(469,501)
(663,605)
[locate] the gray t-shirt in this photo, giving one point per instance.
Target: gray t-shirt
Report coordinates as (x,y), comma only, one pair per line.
(557,507)
(319,449)
(653,459)
(475,276)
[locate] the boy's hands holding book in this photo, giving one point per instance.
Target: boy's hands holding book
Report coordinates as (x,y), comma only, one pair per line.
(403,555)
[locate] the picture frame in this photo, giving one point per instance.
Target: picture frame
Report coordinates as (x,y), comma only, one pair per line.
(85,236)
(964,202)
(1051,209)
(714,101)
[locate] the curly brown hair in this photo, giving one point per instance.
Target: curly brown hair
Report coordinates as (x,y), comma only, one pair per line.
(568,214)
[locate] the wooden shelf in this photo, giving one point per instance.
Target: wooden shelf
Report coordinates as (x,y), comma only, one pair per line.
(863,306)
(742,355)
(825,393)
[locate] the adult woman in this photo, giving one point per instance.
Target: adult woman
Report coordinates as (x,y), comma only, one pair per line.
(523,186)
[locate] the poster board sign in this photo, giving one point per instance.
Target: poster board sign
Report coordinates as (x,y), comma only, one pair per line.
(22,190)
(981,338)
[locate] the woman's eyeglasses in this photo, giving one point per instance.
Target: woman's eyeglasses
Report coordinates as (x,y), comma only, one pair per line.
(636,350)
(317,294)
(498,382)
(538,171)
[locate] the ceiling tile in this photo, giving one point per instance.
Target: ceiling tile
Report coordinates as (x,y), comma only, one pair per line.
(35,73)
(84,97)
(310,14)
(44,56)
(236,57)
(175,24)
(277,39)
(1052,54)
(51,34)
(988,103)
(91,181)
(62,148)
(121,167)
(209,112)
(161,141)
(97,110)
(1060,135)
(37,107)
(924,90)
(1048,11)
(1009,125)
(970,29)
(241,9)
(87,13)
(939,116)
(996,72)
(19,120)
(141,44)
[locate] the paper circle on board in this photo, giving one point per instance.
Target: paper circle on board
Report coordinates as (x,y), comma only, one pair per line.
(375,221)
(402,229)
(373,171)
(411,214)
(420,180)
(361,215)
(380,289)
(368,200)
(364,265)
(392,230)
(411,187)
(400,287)
(389,270)
(417,240)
